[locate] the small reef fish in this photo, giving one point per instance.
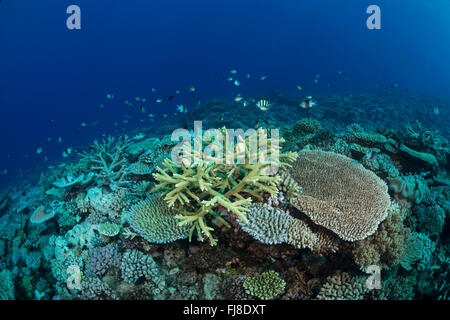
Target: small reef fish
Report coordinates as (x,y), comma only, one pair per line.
(67,152)
(101,105)
(153,89)
(308,102)
(141,109)
(192,89)
(171,97)
(139,136)
(370,155)
(233,71)
(109,96)
(5,172)
(229,79)
(237,83)
(158,100)
(150,115)
(181,108)
(263,105)
(263,78)
(436,110)
(83,124)
(248,76)
(299,87)
(39,150)
(238,98)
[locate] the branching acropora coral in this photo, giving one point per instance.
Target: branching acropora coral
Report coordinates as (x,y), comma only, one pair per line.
(197,189)
(108,159)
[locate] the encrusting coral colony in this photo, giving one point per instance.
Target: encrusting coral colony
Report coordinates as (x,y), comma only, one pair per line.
(126,220)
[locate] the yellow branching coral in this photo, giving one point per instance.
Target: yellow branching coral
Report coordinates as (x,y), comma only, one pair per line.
(197,188)
(340,194)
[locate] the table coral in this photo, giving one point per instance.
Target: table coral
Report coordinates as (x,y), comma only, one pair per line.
(340,194)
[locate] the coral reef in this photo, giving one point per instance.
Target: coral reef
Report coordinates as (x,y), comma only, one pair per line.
(346,193)
(265,286)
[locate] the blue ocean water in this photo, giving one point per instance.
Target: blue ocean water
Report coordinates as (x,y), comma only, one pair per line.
(364,179)
(52,79)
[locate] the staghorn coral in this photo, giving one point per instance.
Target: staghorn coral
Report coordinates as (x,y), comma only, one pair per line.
(198,188)
(155,221)
(107,160)
(265,286)
(339,194)
(342,286)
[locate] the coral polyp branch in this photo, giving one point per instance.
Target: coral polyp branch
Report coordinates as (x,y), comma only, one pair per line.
(198,189)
